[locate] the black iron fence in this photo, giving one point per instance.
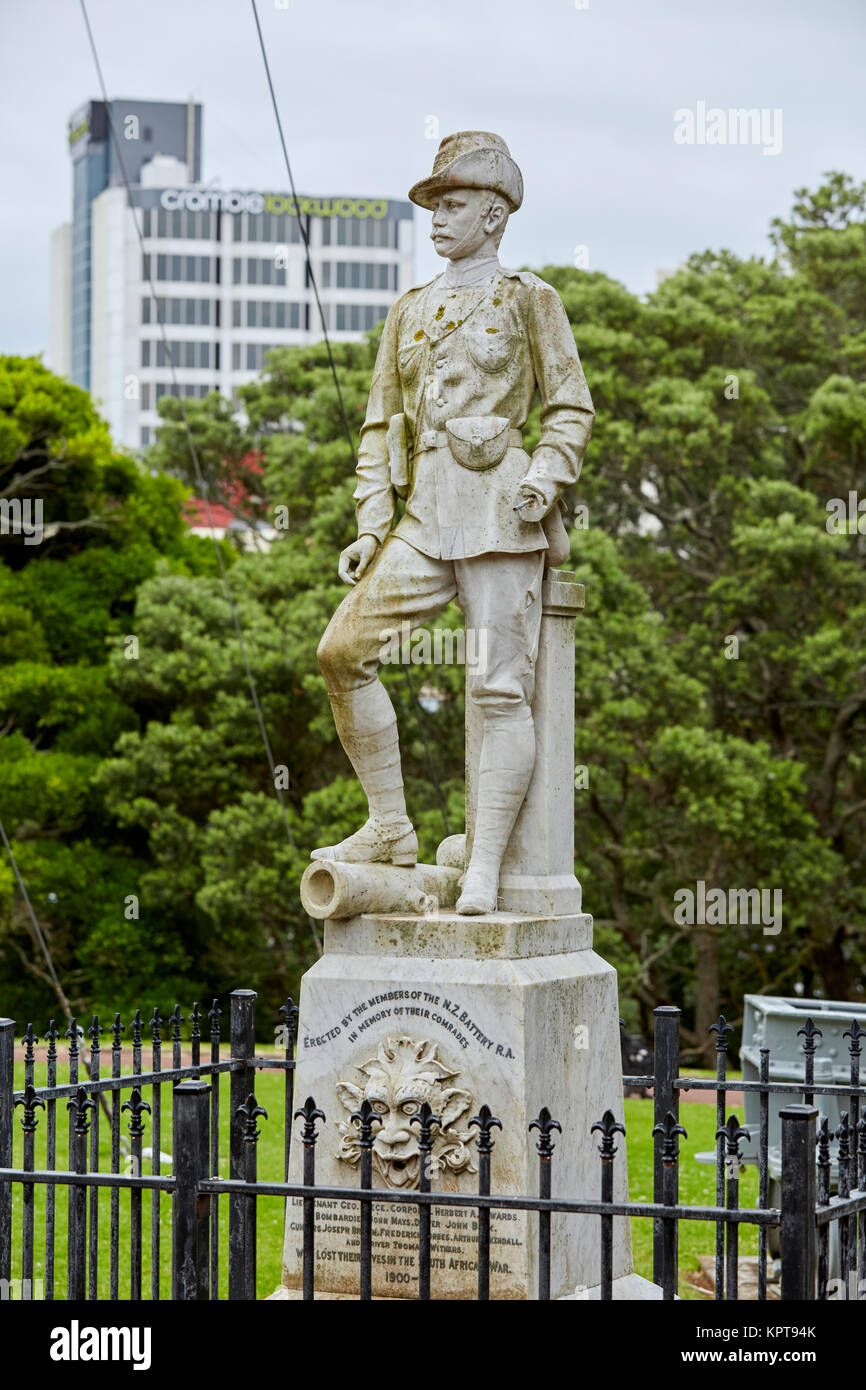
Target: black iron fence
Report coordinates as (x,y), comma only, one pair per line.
(812,1163)
(92,1099)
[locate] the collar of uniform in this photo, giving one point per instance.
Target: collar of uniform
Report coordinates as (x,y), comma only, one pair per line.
(469,271)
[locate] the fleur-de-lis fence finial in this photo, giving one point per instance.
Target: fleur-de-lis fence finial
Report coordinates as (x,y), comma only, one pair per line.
(195,1019)
(93,1033)
(732,1132)
(855,1033)
(425,1119)
(116,1029)
(545,1124)
(137,1107)
(72,1034)
(810,1035)
(51,1038)
(309,1113)
(137,1027)
(214,1013)
(608,1127)
(670,1130)
(485,1120)
(30,1040)
(176,1018)
(154,1024)
(289,1013)
(721,1028)
(79,1104)
(364,1118)
(823,1141)
(248,1113)
(30,1100)
(843,1134)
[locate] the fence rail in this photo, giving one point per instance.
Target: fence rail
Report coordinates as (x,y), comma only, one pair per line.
(801,1218)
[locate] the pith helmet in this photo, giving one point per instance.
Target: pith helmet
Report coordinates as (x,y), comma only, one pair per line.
(471,159)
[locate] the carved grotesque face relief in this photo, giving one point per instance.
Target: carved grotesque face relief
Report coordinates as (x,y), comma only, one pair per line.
(404,1074)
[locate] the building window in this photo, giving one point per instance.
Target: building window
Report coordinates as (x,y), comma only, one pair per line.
(359,318)
(145,436)
(145,352)
(145,395)
(361,232)
(183,269)
(193,355)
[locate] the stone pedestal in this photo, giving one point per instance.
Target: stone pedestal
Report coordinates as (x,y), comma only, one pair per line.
(508,1011)
(512,1010)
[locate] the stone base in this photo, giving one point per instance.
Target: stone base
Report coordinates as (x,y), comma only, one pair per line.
(631,1288)
(521,1020)
(444,935)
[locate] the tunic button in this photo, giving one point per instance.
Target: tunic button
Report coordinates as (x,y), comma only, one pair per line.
(440,361)
(440,402)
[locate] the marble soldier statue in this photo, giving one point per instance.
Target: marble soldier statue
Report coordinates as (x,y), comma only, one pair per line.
(458,368)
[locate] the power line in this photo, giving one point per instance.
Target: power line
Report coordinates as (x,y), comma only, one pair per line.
(305,237)
(348,429)
(200,480)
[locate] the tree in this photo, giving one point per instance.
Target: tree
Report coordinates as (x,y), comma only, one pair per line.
(65,603)
(721,687)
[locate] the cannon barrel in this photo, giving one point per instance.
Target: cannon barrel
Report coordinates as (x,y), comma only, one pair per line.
(330,888)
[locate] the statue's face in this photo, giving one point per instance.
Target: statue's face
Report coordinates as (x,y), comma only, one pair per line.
(466,221)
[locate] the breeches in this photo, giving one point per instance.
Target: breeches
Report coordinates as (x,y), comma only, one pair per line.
(498,594)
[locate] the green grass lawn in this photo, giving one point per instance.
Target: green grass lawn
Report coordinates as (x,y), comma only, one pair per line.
(697,1187)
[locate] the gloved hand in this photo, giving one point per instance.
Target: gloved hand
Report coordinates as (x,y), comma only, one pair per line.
(531,504)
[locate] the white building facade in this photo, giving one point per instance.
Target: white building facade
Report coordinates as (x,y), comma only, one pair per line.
(225,272)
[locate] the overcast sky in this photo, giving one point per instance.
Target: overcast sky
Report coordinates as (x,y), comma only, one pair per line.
(584,91)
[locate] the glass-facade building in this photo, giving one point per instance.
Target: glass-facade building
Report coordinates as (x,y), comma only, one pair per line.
(179,289)
(141,129)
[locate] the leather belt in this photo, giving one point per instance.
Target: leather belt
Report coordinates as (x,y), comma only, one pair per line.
(438,439)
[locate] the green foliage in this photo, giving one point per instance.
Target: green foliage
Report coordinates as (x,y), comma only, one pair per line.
(65,605)
(721,692)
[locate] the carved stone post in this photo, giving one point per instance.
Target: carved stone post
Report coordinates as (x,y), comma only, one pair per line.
(538,869)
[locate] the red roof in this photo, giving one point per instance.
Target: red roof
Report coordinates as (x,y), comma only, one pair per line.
(220,516)
(195,513)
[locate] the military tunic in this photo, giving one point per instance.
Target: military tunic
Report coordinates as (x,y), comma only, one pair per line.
(476,350)
(450,353)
